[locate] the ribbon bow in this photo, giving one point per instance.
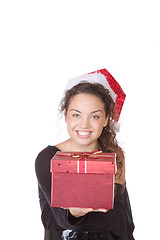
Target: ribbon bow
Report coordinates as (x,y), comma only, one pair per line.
(79,156)
(82,165)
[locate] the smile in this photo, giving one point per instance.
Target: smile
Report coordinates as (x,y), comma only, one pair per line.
(84,134)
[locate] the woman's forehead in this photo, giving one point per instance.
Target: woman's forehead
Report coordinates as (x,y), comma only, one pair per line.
(83,101)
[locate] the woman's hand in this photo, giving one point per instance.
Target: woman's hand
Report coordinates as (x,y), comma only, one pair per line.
(79,212)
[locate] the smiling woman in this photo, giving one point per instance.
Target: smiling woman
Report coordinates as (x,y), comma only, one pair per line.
(90,110)
(85,100)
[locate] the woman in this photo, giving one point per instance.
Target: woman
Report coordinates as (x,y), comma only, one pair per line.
(89,110)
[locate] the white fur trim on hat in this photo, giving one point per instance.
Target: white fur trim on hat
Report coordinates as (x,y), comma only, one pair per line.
(92,78)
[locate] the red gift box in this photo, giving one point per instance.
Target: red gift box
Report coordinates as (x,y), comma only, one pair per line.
(83,179)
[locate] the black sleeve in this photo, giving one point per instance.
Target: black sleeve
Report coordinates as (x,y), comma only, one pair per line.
(47,216)
(56,218)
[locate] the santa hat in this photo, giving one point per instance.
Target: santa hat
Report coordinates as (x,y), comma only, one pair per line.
(107,80)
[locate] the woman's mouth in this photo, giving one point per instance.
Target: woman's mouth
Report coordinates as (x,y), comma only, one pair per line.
(84,134)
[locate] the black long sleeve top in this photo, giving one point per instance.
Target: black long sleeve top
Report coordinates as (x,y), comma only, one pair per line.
(118,220)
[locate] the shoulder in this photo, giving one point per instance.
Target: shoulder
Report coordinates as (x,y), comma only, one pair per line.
(48,151)
(119,188)
(42,162)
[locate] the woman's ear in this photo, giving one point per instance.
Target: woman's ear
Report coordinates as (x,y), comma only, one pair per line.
(106,121)
(65,116)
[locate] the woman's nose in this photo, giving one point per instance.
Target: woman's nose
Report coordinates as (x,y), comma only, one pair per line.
(84,123)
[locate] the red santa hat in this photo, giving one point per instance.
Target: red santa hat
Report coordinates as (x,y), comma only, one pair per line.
(107,80)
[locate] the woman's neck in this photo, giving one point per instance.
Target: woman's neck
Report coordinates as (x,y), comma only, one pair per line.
(70,146)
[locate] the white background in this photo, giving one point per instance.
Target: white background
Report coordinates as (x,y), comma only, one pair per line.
(42,45)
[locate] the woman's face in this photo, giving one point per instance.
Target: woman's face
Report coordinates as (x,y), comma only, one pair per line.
(85,120)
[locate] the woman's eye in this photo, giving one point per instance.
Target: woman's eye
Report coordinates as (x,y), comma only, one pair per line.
(75,115)
(95,117)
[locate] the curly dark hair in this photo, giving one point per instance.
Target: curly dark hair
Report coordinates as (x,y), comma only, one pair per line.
(107,141)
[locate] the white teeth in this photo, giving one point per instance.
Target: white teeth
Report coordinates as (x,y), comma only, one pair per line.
(83,133)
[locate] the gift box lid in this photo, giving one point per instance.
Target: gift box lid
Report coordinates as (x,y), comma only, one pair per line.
(84,162)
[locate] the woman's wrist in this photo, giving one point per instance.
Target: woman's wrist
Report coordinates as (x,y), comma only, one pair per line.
(79,212)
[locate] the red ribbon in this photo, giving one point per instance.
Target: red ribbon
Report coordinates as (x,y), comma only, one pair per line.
(82,164)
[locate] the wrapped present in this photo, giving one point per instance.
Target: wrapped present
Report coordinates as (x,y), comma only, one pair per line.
(83,179)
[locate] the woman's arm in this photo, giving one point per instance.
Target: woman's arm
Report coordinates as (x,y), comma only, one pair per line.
(62,217)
